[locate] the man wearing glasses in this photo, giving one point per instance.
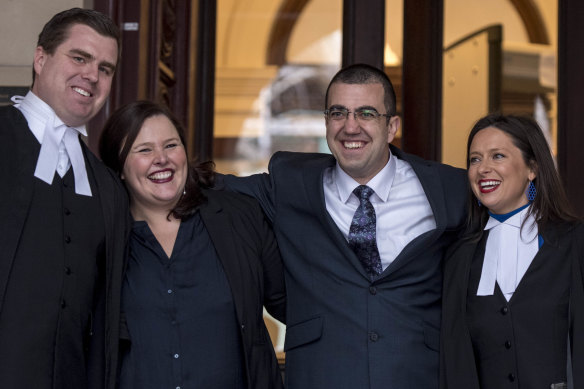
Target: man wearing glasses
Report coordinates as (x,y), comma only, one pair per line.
(362,234)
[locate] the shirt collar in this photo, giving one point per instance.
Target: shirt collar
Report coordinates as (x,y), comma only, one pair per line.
(38,114)
(381,183)
(60,147)
(516,220)
(505,216)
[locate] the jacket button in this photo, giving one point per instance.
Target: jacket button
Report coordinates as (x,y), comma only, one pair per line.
(67,239)
(67,270)
(374,337)
(63,304)
(504,310)
(243,327)
(373,290)
(511,377)
(507,345)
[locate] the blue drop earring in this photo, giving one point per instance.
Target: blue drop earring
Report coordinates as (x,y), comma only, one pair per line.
(531,191)
(479,202)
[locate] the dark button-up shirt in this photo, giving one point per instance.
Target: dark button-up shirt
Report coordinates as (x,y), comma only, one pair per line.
(180,314)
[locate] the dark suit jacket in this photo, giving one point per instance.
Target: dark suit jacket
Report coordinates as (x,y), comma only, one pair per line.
(16,194)
(563,244)
(344,331)
(248,252)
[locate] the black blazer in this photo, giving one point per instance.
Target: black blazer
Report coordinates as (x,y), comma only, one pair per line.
(248,252)
(15,200)
(563,244)
(344,331)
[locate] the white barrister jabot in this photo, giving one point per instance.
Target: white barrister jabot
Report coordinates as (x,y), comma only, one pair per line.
(509,252)
(60,147)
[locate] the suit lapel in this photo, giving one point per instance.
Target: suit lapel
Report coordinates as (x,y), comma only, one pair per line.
(314,189)
(220,230)
(102,186)
(105,192)
(432,186)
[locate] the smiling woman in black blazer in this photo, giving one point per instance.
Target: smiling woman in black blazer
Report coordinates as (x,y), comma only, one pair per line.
(201,265)
(513,300)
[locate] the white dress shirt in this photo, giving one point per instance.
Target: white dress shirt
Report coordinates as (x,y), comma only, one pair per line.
(60,148)
(401,207)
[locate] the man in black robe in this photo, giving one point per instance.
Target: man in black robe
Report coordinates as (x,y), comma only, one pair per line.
(63,216)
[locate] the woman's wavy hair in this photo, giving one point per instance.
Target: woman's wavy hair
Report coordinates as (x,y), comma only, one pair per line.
(122,129)
(551,203)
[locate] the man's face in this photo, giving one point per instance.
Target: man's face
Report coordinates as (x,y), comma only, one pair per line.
(76,80)
(360,147)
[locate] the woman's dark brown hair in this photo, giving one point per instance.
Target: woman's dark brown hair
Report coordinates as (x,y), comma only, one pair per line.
(551,203)
(119,134)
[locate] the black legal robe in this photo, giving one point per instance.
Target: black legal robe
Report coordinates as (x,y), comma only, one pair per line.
(61,262)
(522,343)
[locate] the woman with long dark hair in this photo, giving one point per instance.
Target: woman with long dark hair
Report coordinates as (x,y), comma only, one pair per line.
(513,300)
(201,265)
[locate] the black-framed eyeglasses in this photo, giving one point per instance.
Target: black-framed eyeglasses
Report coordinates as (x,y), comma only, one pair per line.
(361,114)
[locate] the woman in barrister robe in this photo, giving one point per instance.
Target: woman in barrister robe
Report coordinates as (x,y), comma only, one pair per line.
(202,263)
(513,299)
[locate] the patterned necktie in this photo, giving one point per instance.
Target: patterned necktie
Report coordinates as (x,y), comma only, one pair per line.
(362,232)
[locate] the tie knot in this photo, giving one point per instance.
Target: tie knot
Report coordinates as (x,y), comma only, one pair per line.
(363,192)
